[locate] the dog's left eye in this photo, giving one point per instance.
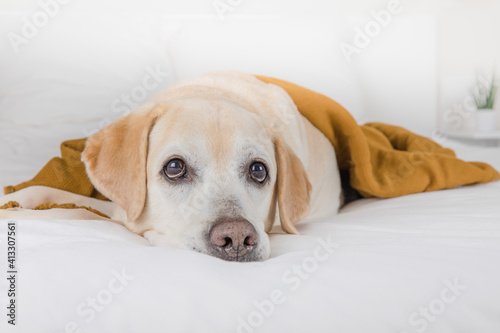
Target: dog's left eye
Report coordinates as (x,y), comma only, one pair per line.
(258,172)
(175,169)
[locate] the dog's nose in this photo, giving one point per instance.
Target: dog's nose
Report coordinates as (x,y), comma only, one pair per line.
(233,240)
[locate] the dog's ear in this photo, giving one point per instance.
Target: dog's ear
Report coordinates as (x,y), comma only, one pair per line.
(115,159)
(293,187)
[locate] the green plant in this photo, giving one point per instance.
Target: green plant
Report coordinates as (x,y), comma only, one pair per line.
(484,94)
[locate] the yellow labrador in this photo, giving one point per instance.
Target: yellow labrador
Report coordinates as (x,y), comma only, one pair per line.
(210,164)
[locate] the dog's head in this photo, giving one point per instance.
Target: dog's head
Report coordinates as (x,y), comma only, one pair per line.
(200,174)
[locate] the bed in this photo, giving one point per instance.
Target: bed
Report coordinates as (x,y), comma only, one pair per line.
(423,262)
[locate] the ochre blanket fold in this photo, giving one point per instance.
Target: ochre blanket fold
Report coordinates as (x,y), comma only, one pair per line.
(65,173)
(382,160)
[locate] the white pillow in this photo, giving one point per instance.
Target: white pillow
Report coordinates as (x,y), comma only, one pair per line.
(82,63)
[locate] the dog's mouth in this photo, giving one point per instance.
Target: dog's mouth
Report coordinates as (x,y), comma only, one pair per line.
(236,255)
(228,239)
(230,252)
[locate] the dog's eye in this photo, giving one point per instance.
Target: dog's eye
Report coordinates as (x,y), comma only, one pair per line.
(258,172)
(175,169)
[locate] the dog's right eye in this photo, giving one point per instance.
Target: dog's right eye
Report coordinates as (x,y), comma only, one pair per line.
(258,172)
(175,169)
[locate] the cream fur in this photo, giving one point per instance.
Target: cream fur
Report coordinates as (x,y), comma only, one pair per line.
(218,123)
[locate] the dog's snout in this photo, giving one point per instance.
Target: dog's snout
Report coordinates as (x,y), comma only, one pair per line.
(233,240)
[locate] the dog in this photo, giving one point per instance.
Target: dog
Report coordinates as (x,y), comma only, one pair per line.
(209,164)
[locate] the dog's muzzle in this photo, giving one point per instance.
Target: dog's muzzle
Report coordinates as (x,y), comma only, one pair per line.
(233,240)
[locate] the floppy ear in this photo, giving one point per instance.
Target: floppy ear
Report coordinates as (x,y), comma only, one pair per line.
(293,187)
(115,159)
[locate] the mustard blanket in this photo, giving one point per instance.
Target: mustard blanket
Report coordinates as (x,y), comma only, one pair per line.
(381,160)
(384,161)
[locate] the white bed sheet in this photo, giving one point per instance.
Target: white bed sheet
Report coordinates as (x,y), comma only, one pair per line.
(391,259)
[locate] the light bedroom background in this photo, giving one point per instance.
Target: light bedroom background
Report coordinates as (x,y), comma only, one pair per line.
(85,63)
(419,262)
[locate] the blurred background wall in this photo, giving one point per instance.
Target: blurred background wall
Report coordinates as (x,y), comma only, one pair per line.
(403,62)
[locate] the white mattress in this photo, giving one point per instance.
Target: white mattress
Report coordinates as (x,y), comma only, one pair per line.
(390,261)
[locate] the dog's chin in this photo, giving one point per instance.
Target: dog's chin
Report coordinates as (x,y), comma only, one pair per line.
(239,255)
(260,253)
(159,239)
